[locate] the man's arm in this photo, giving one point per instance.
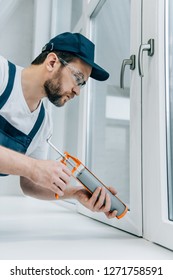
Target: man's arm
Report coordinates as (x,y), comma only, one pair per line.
(99,201)
(31,189)
(48,174)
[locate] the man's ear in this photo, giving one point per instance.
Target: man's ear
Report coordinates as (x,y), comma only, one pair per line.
(51,61)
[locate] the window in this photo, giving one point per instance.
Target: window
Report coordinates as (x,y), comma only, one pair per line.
(113,131)
(131,148)
(77,6)
(109,124)
(169,67)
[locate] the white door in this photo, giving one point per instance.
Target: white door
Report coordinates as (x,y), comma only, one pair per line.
(114,114)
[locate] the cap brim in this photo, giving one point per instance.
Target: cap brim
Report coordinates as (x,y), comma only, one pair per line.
(97,72)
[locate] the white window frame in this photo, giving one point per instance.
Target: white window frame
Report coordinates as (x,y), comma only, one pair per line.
(153,197)
(157,227)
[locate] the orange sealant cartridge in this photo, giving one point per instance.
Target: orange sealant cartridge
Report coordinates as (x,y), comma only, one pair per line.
(89,180)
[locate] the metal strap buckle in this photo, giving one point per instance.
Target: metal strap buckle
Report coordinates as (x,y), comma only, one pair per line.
(48,47)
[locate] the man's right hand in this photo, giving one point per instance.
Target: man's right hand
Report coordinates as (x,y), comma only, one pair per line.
(52,175)
(48,174)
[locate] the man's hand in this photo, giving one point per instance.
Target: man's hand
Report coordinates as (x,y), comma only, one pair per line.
(47,174)
(51,175)
(99,201)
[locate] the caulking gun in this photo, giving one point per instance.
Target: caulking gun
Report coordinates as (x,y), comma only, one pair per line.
(89,180)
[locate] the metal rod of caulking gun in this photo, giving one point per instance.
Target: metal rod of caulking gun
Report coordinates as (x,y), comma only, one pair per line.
(59,152)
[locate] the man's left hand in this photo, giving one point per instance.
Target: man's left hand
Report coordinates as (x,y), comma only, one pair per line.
(99,201)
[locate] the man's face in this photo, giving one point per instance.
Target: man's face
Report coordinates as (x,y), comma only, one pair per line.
(65,82)
(54,90)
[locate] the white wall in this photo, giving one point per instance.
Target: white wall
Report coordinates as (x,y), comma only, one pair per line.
(21,35)
(16,37)
(25,27)
(16,32)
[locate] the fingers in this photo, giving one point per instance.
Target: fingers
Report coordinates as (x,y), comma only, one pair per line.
(61,179)
(65,169)
(112,190)
(100,201)
(56,189)
(51,175)
(112,214)
(103,202)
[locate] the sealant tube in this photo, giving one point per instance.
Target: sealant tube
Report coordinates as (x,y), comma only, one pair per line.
(91,182)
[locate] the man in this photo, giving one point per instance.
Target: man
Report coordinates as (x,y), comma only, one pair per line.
(58,73)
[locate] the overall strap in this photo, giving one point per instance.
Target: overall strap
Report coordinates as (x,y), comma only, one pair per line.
(38,122)
(5,95)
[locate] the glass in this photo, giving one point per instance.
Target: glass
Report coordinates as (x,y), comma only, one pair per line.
(77,6)
(109,106)
(169,67)
(77,75)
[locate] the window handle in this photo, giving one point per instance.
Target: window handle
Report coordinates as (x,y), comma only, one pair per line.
(149,47)
(131,62)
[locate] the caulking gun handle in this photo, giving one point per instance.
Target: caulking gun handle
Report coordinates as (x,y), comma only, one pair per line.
(56,196)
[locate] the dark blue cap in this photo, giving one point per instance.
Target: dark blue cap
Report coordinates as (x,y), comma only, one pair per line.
(82,47)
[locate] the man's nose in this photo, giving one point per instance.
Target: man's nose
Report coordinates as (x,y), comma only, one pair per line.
(76,90)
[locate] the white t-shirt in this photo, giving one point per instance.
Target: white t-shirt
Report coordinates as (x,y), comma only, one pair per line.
(18,114)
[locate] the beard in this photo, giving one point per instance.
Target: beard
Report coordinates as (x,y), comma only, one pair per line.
(54,92)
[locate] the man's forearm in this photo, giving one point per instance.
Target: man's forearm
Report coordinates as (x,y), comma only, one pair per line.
(99,201)
(48,174)
(15,163)
(31,189)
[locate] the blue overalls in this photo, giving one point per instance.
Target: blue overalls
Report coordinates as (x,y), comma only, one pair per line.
(11,137)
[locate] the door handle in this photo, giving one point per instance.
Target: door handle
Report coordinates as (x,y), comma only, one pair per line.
(149,47)
(131,62)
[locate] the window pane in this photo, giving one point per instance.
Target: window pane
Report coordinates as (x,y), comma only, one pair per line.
(170,108)
(77,6)
(108,136)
